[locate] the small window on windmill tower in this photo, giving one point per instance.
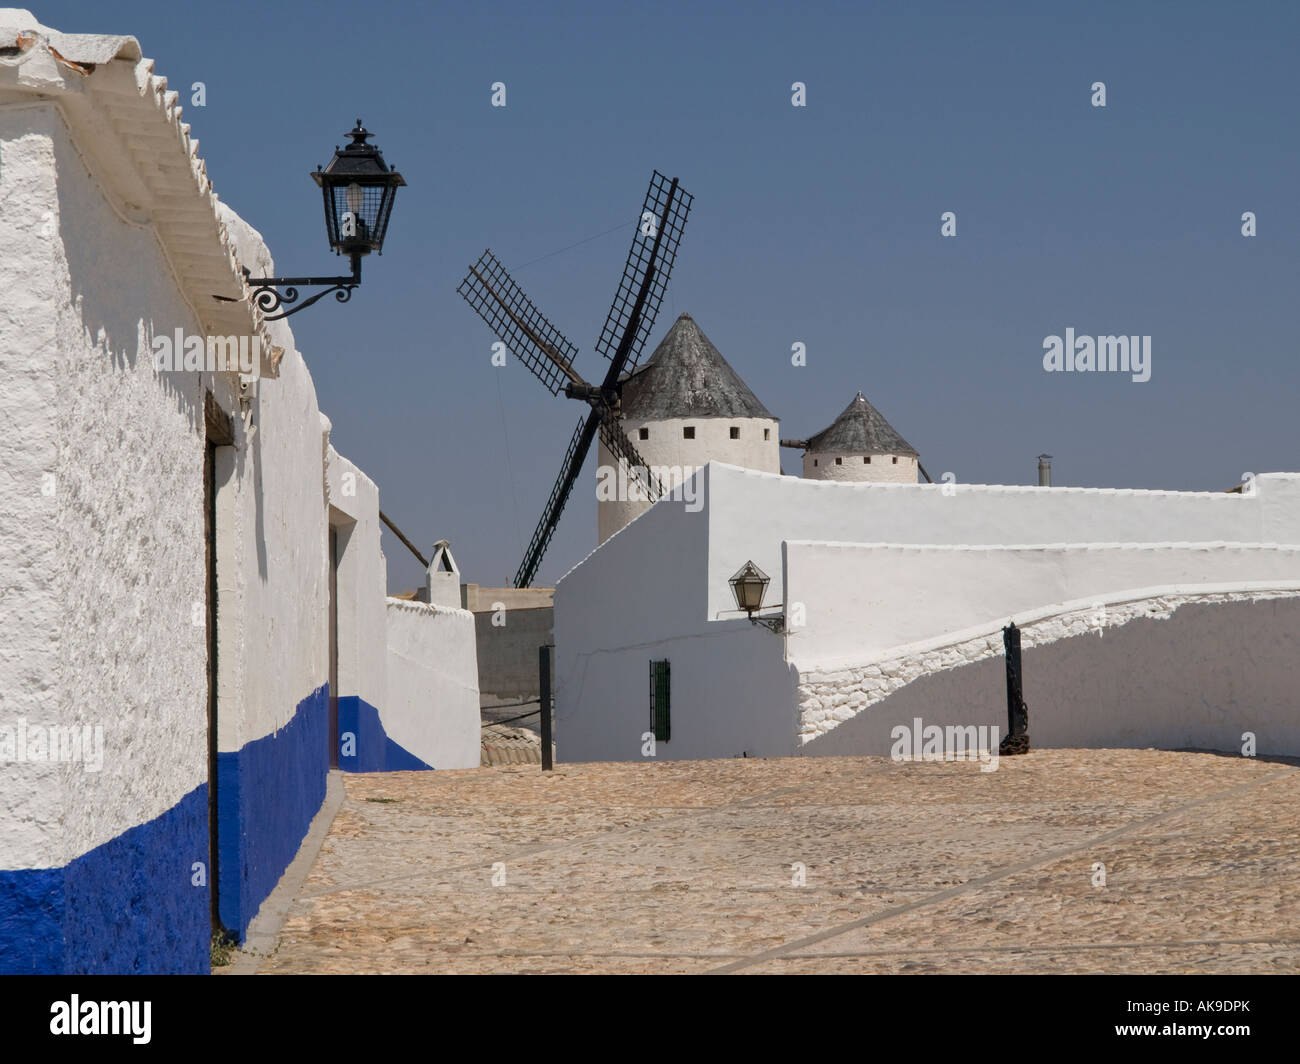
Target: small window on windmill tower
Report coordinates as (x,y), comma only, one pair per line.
(643,434)
(767,434)
(839,461)
(867,459)
(660,689)
(895,459)
(688,433)
(735,432)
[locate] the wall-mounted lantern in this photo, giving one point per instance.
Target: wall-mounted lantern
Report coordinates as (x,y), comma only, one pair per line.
(749,585)
(359,189)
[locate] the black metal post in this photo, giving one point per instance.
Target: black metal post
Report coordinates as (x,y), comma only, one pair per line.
(544,698)
(1016,740)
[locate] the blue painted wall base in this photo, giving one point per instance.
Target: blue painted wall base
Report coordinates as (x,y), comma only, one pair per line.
(364,745)
(129,906)
(267,793)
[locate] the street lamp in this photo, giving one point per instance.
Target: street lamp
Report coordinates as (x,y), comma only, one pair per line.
(748,586)
(358,188)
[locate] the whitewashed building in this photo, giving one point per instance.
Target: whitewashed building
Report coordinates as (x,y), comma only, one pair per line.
(1149,618)
(193,617)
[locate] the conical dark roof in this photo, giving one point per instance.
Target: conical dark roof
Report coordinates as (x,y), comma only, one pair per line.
(861,429)
(688,377)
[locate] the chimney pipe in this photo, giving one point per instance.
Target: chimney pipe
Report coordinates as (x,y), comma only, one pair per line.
(1044,470)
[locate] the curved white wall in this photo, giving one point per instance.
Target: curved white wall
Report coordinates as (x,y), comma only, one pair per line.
(1194,671)
(857,601)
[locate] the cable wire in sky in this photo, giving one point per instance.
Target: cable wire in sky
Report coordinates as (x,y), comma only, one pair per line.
(561,251)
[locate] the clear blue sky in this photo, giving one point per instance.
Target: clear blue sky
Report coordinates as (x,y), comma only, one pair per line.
(818,225)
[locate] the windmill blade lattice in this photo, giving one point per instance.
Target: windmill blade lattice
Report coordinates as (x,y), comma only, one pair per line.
(617,443)
(549,356)
(514,320)
(666,207)
(569,470)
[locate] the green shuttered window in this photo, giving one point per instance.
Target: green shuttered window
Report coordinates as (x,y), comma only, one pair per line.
(660,686)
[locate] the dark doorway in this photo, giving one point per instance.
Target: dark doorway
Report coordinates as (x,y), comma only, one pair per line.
(218,433)
(334,649)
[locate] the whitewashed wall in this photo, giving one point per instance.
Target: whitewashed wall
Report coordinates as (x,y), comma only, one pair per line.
(432,709)
(1170,668)
(272,620)
(408,678)
(642,596)
(752,513)
(115,580)
(101,572)
(282,582)
(858,601)
(881,618)
(362,578)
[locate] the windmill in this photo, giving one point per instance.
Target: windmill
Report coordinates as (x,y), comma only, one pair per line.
(549,355)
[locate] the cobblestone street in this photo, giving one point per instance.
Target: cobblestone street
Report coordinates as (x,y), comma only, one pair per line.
(910,867)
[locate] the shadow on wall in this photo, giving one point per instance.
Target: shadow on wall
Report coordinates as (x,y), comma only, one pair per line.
(1197,680)
(116,304)
(114,290)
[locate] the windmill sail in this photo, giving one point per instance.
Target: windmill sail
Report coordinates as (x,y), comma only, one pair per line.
(514,320)
(654,249)
(622,448)
(569,470)
(540,346)
(616,441)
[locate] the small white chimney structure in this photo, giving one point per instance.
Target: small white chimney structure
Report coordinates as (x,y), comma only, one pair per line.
(442,579)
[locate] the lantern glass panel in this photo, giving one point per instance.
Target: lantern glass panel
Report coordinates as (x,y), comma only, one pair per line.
(358,215)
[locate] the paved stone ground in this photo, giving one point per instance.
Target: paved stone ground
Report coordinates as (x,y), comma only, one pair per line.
(911,867)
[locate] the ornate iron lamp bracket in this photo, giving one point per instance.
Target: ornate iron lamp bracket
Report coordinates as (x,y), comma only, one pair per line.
(772,624)
(269,299)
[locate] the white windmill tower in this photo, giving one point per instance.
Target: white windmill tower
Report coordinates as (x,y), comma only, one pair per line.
(684,407)
(859,445)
